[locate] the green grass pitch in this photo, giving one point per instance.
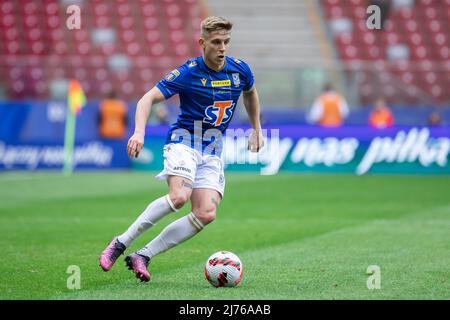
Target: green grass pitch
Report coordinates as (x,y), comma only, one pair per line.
(298,236)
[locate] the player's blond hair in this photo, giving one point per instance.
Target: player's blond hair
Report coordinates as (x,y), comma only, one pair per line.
(212,24)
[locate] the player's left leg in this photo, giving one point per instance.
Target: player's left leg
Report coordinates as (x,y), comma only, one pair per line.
(154,212)
(180,189)
(207,193)
(204,206)
(205,202)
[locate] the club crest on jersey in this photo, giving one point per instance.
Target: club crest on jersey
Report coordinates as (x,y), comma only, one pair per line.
(236,79)
(172,75)
(218,113)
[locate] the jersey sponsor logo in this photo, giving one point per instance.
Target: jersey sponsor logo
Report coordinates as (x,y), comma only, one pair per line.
(221,83)
(218,113)
(236,79)
(192,64)
(203,80)
(172,75)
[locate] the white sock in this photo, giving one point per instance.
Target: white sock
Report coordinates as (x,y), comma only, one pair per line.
(174,234)
(152,214)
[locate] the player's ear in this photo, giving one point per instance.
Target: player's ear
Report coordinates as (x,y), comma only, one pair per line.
(201,41)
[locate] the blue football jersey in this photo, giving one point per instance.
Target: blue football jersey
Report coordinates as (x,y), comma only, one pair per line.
(207,100)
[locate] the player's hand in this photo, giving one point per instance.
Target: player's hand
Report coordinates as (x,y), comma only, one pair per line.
(135,144)
(255,141)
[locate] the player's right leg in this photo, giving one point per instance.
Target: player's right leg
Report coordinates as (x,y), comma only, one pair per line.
(180,190)
(110,254)
(204,206)
(148,218)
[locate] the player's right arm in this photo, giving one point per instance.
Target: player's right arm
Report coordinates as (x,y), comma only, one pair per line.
(144,105)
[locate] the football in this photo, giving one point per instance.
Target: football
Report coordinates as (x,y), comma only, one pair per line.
(224,269)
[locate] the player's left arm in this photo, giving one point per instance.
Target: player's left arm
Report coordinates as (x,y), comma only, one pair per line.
(251,103)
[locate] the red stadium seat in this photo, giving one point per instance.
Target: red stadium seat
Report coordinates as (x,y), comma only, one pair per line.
(423,28)
(153,34)
(148,10)
(7,7)
(53,22)
(12,47)
(444,53)
(124,9)
(52,9)
(8,21)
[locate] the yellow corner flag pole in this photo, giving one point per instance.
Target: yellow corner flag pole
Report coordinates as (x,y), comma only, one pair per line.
(75,101)
(69,141)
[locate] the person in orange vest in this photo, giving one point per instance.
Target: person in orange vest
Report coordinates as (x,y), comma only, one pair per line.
(113,118)
(381,116)
(329,109)
(434,119)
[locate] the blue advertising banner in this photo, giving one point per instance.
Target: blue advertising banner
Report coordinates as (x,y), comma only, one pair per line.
(356,149)
(32,137)
(94,154)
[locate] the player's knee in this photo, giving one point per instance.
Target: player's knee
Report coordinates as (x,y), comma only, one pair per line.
(178,199)
(206,214)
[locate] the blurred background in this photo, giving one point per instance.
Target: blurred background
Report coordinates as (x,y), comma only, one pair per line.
(355,98)
(388,81)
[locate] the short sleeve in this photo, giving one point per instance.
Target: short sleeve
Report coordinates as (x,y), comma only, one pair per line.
(248,77)
(174,82)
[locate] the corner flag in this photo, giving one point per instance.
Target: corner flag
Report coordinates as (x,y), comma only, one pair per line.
(75,97)
(76,100)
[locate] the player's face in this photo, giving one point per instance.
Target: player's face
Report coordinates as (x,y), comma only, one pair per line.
(215,47)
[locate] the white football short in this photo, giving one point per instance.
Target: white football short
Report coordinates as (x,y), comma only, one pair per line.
(205,171)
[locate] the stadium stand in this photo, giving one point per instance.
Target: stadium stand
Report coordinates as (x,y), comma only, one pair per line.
(408,61)
(122,45)
(270,33)
(128,45)
(277,39)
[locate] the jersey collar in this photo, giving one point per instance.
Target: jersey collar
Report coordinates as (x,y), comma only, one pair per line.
(206,68)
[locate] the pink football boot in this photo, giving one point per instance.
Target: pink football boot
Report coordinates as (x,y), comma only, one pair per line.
(138,263)
(111,253)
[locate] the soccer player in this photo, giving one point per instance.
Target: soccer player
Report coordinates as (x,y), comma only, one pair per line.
(209,87)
